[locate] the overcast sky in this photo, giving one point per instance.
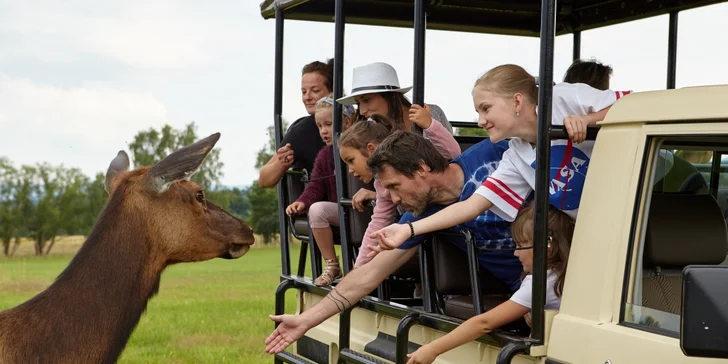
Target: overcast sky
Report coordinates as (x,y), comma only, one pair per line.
(79,78)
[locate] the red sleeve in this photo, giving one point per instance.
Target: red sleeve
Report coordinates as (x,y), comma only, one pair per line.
(316,189)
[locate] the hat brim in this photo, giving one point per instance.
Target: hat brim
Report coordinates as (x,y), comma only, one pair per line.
(350,99)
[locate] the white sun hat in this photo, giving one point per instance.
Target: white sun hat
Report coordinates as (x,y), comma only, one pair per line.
(373,78)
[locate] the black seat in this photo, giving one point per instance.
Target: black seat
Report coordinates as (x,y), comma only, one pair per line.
(681,230)
(358,221)
(452,277)
(467,141)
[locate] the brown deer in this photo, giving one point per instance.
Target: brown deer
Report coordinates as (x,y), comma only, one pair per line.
(154,217)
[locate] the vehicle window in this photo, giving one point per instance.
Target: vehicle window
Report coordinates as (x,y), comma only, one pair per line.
(681,224)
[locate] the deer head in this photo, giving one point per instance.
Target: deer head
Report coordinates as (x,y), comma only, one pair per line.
(182,225)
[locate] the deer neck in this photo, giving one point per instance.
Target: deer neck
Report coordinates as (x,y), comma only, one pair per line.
(97,300)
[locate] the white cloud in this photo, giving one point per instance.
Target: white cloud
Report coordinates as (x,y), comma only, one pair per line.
(90,74)
(142,35)
(71,126)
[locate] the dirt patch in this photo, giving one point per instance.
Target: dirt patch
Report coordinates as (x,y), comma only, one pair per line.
(64,246)
(24,286)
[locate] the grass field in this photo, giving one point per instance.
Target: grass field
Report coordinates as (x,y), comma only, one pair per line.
(211,312)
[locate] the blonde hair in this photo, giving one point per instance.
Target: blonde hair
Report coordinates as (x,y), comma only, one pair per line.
(507,80)
(372,130)
(327,102)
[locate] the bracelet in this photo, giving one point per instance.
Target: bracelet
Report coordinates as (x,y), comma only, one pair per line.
(412,230)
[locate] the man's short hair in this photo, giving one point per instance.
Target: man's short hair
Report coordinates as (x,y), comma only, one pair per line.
(404,151)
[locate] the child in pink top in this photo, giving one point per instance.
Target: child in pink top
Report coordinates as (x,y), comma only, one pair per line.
(360,141)
(319,196)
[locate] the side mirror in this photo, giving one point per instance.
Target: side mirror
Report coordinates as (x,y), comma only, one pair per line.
(704,316)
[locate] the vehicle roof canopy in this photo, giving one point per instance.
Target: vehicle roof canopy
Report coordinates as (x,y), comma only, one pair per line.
(508,17)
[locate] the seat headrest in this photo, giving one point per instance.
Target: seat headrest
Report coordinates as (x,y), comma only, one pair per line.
(684,229)
(358,221)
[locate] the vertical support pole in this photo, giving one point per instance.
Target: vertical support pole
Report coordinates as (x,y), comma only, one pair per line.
(428,293)
(715,174)
(474,269)
(278,127)
(672,51)
(339,167)
(418,81)
(402,341)
(543,151)
(577,46)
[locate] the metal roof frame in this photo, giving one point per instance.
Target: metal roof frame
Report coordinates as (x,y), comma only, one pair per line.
(515,17)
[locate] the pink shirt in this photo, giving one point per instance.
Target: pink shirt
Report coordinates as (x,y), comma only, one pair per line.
(384,209)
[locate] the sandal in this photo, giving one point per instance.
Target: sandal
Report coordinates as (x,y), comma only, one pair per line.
(331,273)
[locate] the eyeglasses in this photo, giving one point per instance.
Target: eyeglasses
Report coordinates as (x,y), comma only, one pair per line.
(549,240)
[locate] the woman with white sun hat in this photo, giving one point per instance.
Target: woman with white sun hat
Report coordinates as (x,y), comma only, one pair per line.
(375,89)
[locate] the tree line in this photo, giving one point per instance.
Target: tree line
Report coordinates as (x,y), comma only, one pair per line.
(41,202)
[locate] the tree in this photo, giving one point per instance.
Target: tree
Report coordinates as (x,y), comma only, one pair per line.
(71,204)
(9,219)
(151,146)
(471,131)
(264,202)
(263,211)
(234,200)
(266,152)
(96,198)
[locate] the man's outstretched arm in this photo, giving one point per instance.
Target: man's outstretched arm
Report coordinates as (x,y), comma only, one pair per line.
(357,284)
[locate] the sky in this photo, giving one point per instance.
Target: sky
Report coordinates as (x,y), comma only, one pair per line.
(79,78)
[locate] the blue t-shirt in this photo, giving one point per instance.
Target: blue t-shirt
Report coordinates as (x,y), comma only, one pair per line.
(489,230)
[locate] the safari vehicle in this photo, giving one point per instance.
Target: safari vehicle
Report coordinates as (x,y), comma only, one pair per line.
(647,271)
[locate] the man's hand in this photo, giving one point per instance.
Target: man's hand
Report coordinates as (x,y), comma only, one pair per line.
(423,355)
(390,237)
(290,330)
(295,208)
(285,155)
(576,127)
(420,115)
(361,197)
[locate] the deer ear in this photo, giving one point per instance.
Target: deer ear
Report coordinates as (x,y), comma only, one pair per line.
(118,165)
(181,164)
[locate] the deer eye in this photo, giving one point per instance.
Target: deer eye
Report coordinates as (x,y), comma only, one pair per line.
(200,196)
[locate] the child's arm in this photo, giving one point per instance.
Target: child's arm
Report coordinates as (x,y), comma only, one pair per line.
(381,216)
(394,235)
(435,132)
(576,124)
(593,105)
(316,188)
(442,140)
(469,330)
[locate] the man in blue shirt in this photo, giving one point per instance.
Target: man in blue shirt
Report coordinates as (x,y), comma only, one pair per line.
(422,181)
(401,164)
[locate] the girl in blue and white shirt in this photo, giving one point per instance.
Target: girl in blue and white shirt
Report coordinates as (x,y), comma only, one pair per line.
(505,99)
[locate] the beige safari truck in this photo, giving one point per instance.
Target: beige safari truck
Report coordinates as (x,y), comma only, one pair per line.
(647,280)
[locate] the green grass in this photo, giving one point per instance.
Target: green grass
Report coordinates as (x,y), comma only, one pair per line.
(215,311)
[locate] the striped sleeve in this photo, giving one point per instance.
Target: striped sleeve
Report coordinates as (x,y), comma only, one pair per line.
(506,188)
(620,94)
(593,100)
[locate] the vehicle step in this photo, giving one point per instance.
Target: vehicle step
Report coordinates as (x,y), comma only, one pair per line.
(351,356)
(291,358)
